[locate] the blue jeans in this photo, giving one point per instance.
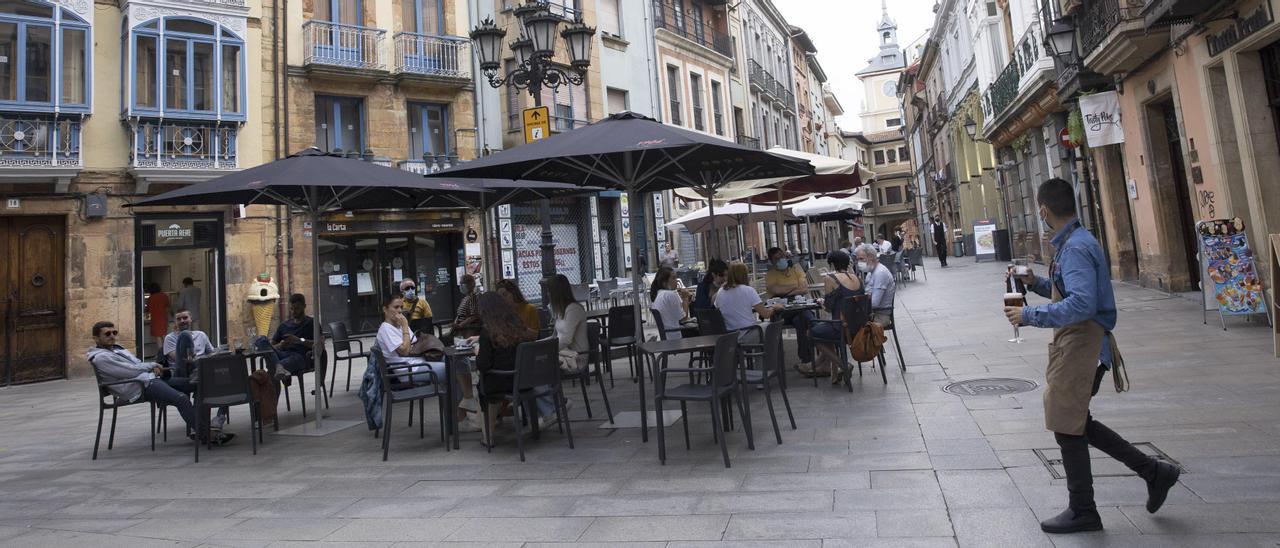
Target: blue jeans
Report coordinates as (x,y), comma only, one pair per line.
(292,362)
(159,391)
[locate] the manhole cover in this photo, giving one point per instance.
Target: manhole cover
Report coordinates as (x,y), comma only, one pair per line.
(989,387)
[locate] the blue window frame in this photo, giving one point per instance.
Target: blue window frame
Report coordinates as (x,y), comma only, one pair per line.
(339,123)
(186,68)
(45,60)
(428,130)
(423,16)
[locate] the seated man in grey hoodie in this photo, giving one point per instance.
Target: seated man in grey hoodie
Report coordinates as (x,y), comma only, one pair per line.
(115,363)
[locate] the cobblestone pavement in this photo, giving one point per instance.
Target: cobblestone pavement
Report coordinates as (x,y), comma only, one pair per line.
(902,464)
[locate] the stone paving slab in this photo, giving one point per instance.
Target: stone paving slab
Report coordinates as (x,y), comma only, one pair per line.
(901,464)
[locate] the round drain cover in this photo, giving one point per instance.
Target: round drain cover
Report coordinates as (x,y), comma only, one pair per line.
(989,387)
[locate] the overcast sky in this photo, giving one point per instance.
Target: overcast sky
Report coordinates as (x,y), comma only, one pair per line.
(844,32)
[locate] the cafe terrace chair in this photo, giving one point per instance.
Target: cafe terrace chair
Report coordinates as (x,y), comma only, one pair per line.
(892,327)
(915,259)
(593,369)
(720,389)
(537,364)
(772,369)
(855,312)
(107,400)
(621,333)
(224,382)
(546,323)
(310,368)
(342,351)
(605,290)
(582,293)
(421,386)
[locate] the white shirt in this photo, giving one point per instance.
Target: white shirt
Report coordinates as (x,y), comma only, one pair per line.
(671,306)
(737,305)
(390,338)
(200,343)
(881,286)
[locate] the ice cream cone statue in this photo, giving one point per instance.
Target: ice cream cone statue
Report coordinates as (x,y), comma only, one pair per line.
(263,295)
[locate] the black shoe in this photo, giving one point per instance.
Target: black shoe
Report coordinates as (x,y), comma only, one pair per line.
(1158,487)
(1070,521)
(223,438)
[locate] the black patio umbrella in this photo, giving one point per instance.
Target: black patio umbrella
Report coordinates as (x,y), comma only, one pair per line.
(635,153)
(315,182)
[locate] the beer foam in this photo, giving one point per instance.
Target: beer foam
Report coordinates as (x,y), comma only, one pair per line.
(1013,296)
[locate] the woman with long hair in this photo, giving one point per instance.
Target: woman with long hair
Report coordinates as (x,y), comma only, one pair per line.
(739,303)
(510,290)
(838,285)
(571,322)
(671,303)
(502,332)
(396,341)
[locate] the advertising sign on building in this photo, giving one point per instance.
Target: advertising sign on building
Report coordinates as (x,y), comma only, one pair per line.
(567,254)
(1101,115)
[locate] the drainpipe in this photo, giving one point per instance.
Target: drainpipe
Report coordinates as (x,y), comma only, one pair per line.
(275,112)
(282,67)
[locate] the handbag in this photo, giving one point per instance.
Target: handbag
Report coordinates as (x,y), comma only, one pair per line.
(867,342)
(429,347)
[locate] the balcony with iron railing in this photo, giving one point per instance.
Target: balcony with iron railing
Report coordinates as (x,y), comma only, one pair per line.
(433,56)
(343,46)
(760,78)
(1027,55)
(181,151)
(749,142)
(39,149)
(1113,38)
(682,23)
(429,163)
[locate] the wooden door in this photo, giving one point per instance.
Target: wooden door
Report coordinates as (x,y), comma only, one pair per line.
(32,287)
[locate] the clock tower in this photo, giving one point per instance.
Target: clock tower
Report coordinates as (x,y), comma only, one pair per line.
(880,78)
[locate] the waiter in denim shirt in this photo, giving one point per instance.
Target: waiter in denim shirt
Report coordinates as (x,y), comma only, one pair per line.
(1082,315)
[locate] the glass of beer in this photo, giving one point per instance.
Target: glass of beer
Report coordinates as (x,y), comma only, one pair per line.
(1014,298)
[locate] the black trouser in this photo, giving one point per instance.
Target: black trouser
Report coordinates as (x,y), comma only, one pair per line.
(942,250)
(1075,456)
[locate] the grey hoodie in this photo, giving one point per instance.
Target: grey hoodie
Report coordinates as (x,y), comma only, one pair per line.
(118,364)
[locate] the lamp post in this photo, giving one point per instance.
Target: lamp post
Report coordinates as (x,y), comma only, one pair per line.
(533,52)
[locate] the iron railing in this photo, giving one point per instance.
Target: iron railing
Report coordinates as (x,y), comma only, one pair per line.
(1004,89)
(429,163)
(184,145)
(1100,17)
(39,142)
(327,43)
(667,16)
(749,142)
(447,56)
(565,123)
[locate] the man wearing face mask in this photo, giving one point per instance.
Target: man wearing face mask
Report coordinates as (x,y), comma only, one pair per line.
(1082,315)
(467,322)
(787,279)
(717,271)
(416,307)
(183,346)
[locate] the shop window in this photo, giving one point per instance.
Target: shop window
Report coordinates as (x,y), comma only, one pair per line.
(194,72)
(339,123)
(36,38)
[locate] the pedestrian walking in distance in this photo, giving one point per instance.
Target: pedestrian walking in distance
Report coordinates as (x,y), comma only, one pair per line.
(1082,315)
(939,231)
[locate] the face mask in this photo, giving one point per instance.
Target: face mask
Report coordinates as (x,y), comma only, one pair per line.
(1044,220)
(410,294)
(862,266)
(782,264)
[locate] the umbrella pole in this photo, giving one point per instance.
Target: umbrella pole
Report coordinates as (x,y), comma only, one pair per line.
(780,228)
(487,259)
(712,219)
(317,345)
(808,233)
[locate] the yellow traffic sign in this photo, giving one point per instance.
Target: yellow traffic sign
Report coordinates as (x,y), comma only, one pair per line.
(537,124)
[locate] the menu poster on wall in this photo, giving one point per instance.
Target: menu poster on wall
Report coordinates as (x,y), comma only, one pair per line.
(984,238)
(1229,265)
(364,283)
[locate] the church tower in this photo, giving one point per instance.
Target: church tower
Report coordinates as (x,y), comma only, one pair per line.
(880,78)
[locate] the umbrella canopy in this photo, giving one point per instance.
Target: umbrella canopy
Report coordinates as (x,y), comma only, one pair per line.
(316,182)
(505,191)
(728,216)
(831,176)
(818,206)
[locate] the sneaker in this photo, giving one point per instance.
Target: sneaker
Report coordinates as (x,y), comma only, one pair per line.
(223,438)
(472,424)
(469,404)
(546,422)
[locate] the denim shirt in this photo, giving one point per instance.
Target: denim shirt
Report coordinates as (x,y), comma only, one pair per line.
(1083,278)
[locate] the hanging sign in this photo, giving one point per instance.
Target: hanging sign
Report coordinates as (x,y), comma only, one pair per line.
(1101,115)
(1229,265)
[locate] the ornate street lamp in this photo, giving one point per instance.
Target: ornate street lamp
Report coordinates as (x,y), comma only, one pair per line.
(1062,39)
(533,52)
(971,127)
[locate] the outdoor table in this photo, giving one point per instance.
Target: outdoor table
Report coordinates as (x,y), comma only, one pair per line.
(452,353)
(660,350)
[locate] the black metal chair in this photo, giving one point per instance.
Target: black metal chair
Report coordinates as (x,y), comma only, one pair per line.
(593,369)
(108,400)
(724,382)
(772,368)
(342,342)
(537,364)
(902,363)
(710,321)
(399,386)
(546,323)
(662,329)
(302,390)
(224,382)
(915,259)
(621,332)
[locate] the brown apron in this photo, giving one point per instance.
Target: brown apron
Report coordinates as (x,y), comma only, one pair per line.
(1073,363)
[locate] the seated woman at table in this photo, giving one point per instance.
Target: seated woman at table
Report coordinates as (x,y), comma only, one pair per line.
(671,303)
(711,282)
(466,322)
(837,285)
(496,346)
(399,347)
(739,303)
(527,313)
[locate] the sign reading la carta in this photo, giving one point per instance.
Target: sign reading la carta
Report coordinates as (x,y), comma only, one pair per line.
(1240,29)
